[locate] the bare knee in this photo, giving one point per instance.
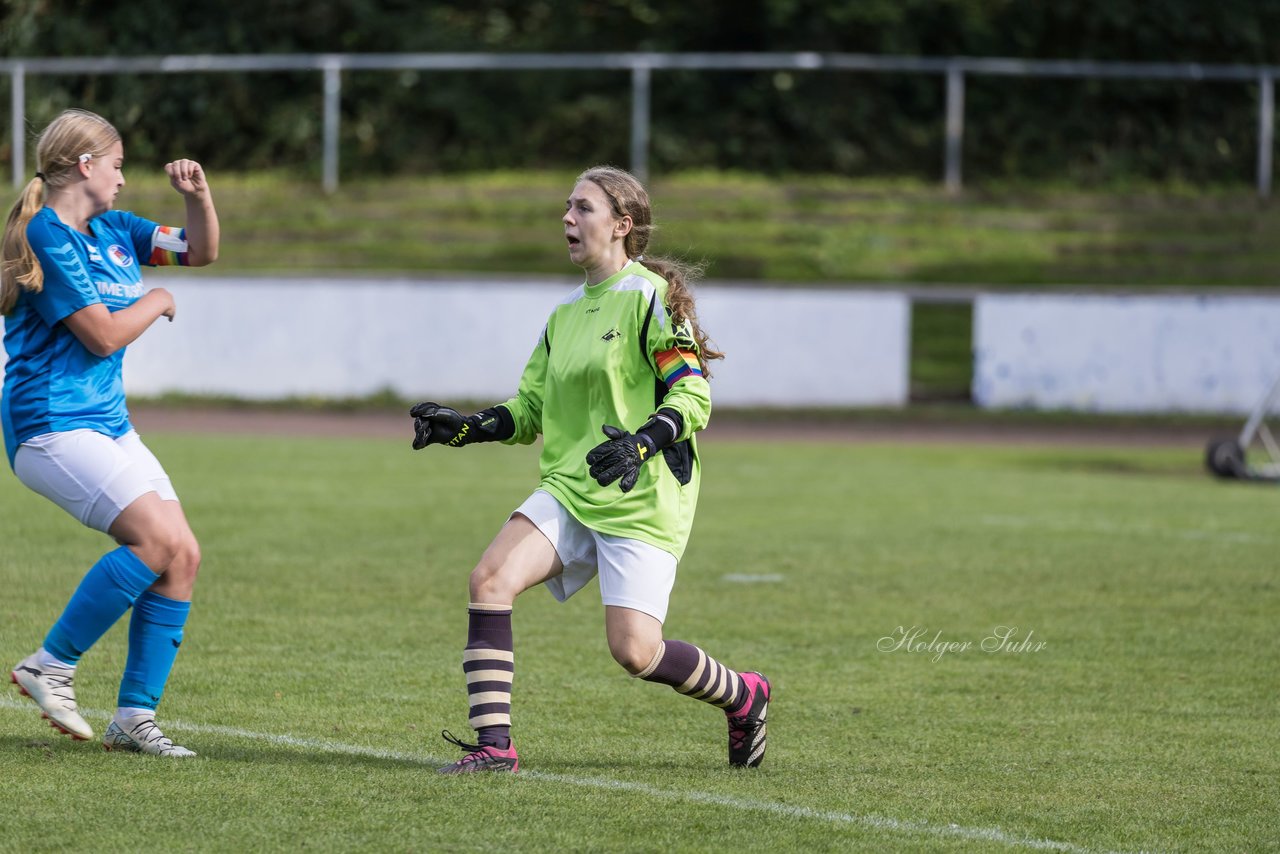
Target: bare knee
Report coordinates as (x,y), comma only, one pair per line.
(634,637)
(488,583)
(171,553)
(634,654)
(185,562)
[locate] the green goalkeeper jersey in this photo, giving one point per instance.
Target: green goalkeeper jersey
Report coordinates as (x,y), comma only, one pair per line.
(610,354)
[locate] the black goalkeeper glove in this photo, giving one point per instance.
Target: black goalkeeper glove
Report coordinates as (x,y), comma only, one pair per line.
(434,424)
(622,456)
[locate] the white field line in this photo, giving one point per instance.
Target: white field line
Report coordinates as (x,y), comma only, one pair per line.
(920,828)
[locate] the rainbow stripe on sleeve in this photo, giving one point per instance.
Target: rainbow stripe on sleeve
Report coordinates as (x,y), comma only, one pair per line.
(169,247)
(676,364)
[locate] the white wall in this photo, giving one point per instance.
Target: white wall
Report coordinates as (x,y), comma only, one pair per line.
(469,339)
(264,339)
(810,348)
(1125,354)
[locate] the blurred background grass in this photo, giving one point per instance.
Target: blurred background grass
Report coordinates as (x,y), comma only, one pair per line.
(799,231)
(808,230)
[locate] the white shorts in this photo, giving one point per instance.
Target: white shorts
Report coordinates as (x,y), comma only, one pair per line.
(633,574)
(91,476)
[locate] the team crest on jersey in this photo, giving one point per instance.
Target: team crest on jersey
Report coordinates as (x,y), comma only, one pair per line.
(611,334)
(119,256)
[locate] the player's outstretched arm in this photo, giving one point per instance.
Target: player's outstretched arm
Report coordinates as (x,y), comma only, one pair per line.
(434,424)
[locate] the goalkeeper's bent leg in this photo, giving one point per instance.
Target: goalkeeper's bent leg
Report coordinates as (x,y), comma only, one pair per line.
(692,672)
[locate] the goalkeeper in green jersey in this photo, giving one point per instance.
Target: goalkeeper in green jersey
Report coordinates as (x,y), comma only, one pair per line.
(617,387)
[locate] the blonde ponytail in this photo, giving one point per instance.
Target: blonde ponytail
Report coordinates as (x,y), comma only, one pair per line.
(59,152)
(19,268)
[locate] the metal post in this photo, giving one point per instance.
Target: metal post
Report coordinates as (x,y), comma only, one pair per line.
(640,121)
(332,107)
(18,118)
(1266,132)
(955,127)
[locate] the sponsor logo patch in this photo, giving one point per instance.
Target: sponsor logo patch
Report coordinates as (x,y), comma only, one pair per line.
(119,256)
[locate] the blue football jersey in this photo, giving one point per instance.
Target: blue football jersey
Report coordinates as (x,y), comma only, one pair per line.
(52,382)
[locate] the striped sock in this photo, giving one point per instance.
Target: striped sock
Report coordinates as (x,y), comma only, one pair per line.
(489,665)
(692,672)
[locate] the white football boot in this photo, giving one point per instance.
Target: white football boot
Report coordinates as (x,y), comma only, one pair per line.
(139,734)
(50,685)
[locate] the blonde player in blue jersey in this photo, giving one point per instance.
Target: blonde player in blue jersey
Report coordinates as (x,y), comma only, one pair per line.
(623,352)
(73,299)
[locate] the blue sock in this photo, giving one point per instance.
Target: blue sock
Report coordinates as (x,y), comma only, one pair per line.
(106,592)
(155,633)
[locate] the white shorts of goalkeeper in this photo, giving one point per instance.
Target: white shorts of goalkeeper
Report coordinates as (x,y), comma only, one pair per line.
(633,574)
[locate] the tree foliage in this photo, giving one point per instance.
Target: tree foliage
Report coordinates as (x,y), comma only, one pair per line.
(823,121)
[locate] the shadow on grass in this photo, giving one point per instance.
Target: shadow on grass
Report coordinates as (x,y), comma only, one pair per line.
(338,756)
(1114,464)
(215,750)
(547,766)
(634,771)
(35,741)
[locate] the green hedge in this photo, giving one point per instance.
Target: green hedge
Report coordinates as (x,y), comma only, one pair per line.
(834,122)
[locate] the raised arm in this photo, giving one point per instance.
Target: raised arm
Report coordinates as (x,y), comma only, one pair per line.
(203,233)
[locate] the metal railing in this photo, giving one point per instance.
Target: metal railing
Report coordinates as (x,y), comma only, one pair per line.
(641,66)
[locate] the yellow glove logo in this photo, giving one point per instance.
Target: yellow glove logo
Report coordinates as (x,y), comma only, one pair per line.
(642,449)
(461,438)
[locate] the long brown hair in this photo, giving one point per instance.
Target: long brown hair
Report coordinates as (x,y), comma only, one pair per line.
(629,198)
(58,151)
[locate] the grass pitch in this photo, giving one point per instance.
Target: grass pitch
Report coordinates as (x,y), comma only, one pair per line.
(1129,702)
